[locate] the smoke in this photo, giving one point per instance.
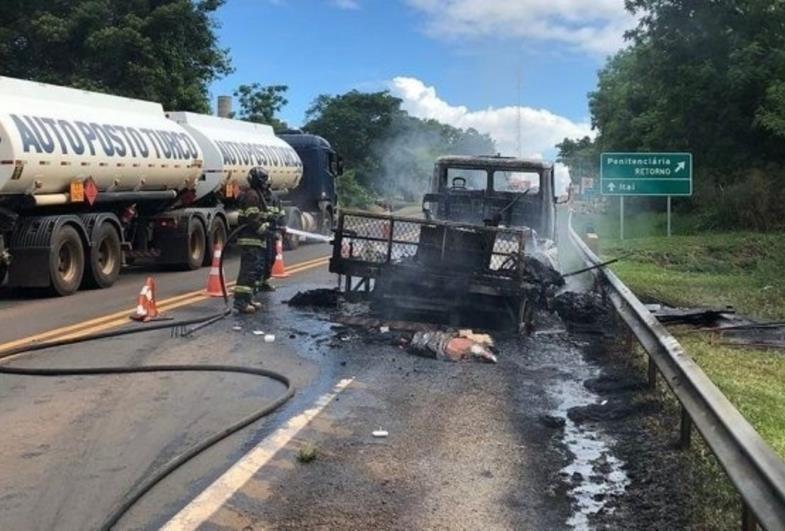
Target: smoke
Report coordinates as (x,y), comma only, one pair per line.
(407,155)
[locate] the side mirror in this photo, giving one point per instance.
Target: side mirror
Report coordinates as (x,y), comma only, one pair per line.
(339,165)
(560,200)
(427,205)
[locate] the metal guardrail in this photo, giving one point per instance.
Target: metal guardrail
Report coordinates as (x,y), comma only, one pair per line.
(756,472)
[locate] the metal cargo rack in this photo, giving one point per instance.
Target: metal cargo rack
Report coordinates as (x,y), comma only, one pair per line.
(432,266)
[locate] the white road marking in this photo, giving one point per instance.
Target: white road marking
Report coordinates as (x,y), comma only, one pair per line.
(201,508)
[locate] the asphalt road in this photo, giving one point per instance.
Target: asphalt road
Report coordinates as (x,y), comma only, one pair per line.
(466,446)
(28,312)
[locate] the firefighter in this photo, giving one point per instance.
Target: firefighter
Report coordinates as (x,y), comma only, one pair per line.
(273,215)
(253,238)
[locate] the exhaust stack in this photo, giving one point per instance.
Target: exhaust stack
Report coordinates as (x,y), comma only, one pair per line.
(224,106)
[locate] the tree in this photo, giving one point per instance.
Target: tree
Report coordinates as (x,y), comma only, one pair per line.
(354,122)
(708,77)
(163,50)
(580,156)
(261,104)
(391,153)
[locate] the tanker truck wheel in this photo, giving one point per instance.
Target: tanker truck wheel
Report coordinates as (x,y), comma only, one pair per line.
(106,258)
(217,236)
(197,244)
(66,261)
(292,241)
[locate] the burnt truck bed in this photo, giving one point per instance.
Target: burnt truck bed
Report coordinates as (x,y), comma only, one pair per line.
(454,272)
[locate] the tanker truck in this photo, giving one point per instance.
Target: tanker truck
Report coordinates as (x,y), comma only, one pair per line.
(90,182)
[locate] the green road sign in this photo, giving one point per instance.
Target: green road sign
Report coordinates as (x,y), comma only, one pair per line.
(646,174)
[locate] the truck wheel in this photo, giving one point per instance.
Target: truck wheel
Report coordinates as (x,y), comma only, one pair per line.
(216,236)
(292,241)
(106,258)
(196,244)
(66,261)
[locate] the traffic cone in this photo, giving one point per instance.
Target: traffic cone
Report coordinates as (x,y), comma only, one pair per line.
(145,306)
(214,288)
(279,269)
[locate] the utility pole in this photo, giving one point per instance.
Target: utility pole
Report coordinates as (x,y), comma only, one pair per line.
(518,133)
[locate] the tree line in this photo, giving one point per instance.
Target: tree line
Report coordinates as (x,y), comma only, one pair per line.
(706,78)
(168,51)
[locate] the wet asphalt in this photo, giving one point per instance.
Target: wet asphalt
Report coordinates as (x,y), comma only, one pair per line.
(467,446)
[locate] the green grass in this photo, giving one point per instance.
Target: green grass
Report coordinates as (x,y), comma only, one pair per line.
(740,269)
(307,453)
(752,379)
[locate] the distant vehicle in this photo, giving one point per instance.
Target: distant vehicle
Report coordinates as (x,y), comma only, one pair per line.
(89,182)
(493,190)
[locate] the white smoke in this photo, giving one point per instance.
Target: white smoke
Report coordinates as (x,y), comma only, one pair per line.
(540,129)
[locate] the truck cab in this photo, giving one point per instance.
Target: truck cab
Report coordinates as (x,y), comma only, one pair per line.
(494,191)
(316,193)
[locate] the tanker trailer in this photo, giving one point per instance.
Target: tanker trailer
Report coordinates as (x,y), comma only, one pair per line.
(302,168)
(88,181)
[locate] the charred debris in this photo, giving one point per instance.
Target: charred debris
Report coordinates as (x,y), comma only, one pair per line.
(482,256)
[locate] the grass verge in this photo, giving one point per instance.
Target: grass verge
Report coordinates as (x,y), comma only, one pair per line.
(740,269)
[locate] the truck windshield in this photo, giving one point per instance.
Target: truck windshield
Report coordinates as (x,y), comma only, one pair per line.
(458,179)
(513,181)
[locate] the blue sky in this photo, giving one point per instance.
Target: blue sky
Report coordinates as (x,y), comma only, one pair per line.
(454,60)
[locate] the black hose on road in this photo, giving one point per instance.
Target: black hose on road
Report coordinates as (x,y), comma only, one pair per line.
(147,484)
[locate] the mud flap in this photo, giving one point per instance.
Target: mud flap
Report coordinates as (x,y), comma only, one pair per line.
(29,247)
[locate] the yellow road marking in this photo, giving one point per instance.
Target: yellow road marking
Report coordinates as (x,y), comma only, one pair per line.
(116,319)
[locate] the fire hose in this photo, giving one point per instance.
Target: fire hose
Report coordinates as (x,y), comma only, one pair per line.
(146,484)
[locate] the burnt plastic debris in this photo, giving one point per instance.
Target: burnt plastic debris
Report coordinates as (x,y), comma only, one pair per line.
(580,308)
(538,272)
(316,298)
(449,346)
(552,421)
(692,316)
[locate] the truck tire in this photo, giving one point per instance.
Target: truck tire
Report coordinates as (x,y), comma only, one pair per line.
(106,258)
(197,244)
(216,235)
(66,261)
(292,241)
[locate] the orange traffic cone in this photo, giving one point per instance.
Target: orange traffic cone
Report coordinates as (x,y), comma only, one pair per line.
(214,288)
(279,269)
(145,306)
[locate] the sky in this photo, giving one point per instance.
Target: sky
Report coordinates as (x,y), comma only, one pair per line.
(468,63)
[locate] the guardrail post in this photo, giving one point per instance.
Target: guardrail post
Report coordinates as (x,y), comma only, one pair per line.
(748,520)
(686,429)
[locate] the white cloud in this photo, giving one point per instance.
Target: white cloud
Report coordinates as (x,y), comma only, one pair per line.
(596,27)
(345,4)
(541,129)
(340,4)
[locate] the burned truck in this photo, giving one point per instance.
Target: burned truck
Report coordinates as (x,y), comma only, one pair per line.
(442,271)
(494,191)
(481,256)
